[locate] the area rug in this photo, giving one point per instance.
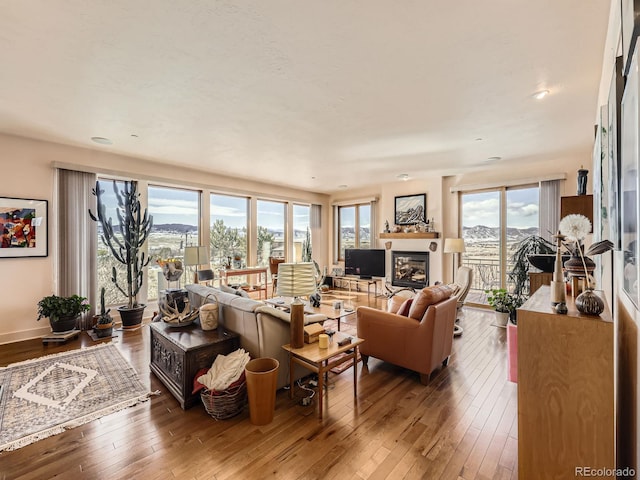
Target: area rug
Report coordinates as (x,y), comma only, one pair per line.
(47,395)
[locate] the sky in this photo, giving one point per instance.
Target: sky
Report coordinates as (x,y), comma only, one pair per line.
(484,208)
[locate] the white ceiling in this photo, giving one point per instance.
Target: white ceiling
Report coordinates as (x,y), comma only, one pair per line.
(312,94)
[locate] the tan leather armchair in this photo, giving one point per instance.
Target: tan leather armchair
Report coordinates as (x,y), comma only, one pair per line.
(421,341)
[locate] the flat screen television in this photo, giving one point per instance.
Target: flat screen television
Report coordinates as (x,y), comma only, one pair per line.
(364,263)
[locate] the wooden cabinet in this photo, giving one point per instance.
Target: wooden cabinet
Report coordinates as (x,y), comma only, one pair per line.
(177,353)
(565,390)
(578,204)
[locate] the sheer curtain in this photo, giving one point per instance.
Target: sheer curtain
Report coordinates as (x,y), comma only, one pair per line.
(77,244)
(549,208)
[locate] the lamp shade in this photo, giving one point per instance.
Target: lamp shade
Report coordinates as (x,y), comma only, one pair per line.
(296,279)
(453,245)
(195,255)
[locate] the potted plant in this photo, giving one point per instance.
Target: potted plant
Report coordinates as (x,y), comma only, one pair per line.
(125,244)
(63,312)
(104,324)
(505,305)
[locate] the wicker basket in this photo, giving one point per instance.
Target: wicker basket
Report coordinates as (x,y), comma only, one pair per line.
(226,403)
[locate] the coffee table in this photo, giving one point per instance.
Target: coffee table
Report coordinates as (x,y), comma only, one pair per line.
(321,360)
(324,309)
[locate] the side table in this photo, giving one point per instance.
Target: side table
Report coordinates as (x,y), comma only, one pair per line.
(321,360)
(177,353)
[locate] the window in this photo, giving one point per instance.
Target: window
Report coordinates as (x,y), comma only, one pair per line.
(492,222)
(271,228)
(354,227)
(105,261)
(228,229)
(175,226)
(301,231)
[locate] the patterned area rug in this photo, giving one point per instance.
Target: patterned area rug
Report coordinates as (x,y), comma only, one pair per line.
(47,395)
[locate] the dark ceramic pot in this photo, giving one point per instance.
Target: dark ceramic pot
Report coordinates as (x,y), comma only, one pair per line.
(64,324)
(131,317)
(589,303)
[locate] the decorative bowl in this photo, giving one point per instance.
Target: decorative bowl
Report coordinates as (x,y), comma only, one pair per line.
(545,261)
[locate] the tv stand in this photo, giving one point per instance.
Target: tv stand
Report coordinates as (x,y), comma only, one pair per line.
(357,280)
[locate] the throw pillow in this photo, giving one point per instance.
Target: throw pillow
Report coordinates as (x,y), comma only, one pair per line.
(394,304)
(241,293)
(428,296)
(405,307)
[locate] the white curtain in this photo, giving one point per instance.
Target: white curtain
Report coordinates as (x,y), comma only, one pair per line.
(549,208)
(77,256)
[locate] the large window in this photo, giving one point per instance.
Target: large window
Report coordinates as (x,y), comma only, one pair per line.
(105,261)
(301,231)
(492,222)
(354,227)
(271,228)
(175,226)
(228,234)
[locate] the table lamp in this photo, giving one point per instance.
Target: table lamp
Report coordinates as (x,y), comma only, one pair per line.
(195,256)
(453,245)
(295,280)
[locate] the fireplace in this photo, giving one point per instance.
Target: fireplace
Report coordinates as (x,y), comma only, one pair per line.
(410,269)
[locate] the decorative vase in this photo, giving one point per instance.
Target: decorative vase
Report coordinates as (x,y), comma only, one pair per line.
(574,265)
(589,303)
(131,317)
(64,324)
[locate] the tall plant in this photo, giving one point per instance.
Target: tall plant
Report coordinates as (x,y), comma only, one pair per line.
(306,247)
(126,244)
(520,273)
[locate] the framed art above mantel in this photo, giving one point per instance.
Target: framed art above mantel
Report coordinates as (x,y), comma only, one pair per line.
(410,209)
(23,227)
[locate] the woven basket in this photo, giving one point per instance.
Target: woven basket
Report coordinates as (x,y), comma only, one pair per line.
(226,403)
(209,313)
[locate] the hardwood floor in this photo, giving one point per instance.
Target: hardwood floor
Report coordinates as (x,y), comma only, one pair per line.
(463,425)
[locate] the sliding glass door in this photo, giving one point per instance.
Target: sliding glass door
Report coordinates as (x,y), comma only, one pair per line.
(493,221)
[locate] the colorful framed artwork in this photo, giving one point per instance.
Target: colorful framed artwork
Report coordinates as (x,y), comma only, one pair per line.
(24,228)
(410,209)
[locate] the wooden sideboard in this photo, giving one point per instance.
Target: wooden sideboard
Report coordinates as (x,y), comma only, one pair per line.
(565,390)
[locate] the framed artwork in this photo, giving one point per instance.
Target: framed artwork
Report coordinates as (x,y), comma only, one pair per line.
(410,209)
(629,12)
(629,183)
(24,227)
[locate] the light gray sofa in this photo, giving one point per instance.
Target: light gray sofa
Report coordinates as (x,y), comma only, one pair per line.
(263,329)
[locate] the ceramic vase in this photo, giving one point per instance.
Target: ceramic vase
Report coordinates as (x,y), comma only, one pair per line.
(589,303)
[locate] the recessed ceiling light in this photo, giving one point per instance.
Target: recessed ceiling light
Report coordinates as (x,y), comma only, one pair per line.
(134,135)
(102,140)
(493,159)
(541,94)
(478,139)
(404,177)
(343,186)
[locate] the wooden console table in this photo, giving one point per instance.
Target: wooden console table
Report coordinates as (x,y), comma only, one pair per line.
(357,281)
(225,273)
(565,390)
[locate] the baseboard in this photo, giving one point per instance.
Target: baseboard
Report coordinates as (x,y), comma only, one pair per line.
(24,335)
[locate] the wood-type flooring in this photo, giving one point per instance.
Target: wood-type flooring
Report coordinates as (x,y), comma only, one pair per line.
(463,425)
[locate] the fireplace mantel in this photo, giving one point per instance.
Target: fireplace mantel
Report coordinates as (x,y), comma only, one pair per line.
(411,235)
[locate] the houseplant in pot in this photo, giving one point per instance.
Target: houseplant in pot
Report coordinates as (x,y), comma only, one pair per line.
(125,244)
(63,312)
(104,324)
(505,305)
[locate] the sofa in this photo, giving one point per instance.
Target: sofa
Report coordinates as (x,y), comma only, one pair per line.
(263,329)
(415,332)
